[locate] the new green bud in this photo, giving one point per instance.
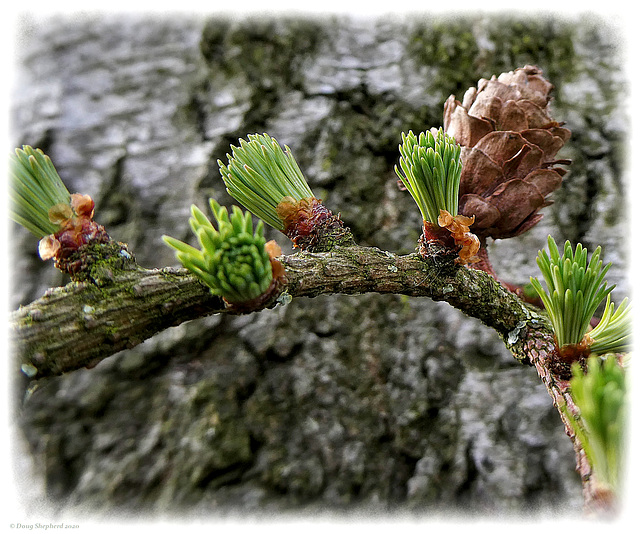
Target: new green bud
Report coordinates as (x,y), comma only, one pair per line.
(575,289)
(232,259)
(600,394)
(35,188)
(259,174)
(430,169)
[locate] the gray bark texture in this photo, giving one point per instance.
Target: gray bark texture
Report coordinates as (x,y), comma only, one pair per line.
(389,404)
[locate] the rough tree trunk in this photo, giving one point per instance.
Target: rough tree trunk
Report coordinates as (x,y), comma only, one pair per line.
(337,402)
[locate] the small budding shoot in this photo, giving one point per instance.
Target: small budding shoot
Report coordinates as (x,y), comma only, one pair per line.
(430,169)
(235,261)
(600,395)
(267,181)
(575,289)
(42,204)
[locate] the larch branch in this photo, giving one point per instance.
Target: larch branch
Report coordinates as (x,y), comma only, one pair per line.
(81,324)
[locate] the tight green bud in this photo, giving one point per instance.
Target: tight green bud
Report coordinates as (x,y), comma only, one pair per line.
(232,259)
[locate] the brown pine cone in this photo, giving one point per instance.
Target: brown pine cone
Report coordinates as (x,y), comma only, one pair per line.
(509,142)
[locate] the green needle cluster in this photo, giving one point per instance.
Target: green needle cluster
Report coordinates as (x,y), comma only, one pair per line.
(431,170)
(576,289)
(232,260)
(35,187)
(260,174)
(613,332)
(600,395)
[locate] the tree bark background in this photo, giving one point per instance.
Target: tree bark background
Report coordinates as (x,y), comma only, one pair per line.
(336,403)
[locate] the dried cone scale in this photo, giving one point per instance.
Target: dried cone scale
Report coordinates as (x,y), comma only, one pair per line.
(509,144)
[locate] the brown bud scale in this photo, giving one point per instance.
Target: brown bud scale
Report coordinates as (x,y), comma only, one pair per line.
(452,233)
(308,223)
(563,358)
